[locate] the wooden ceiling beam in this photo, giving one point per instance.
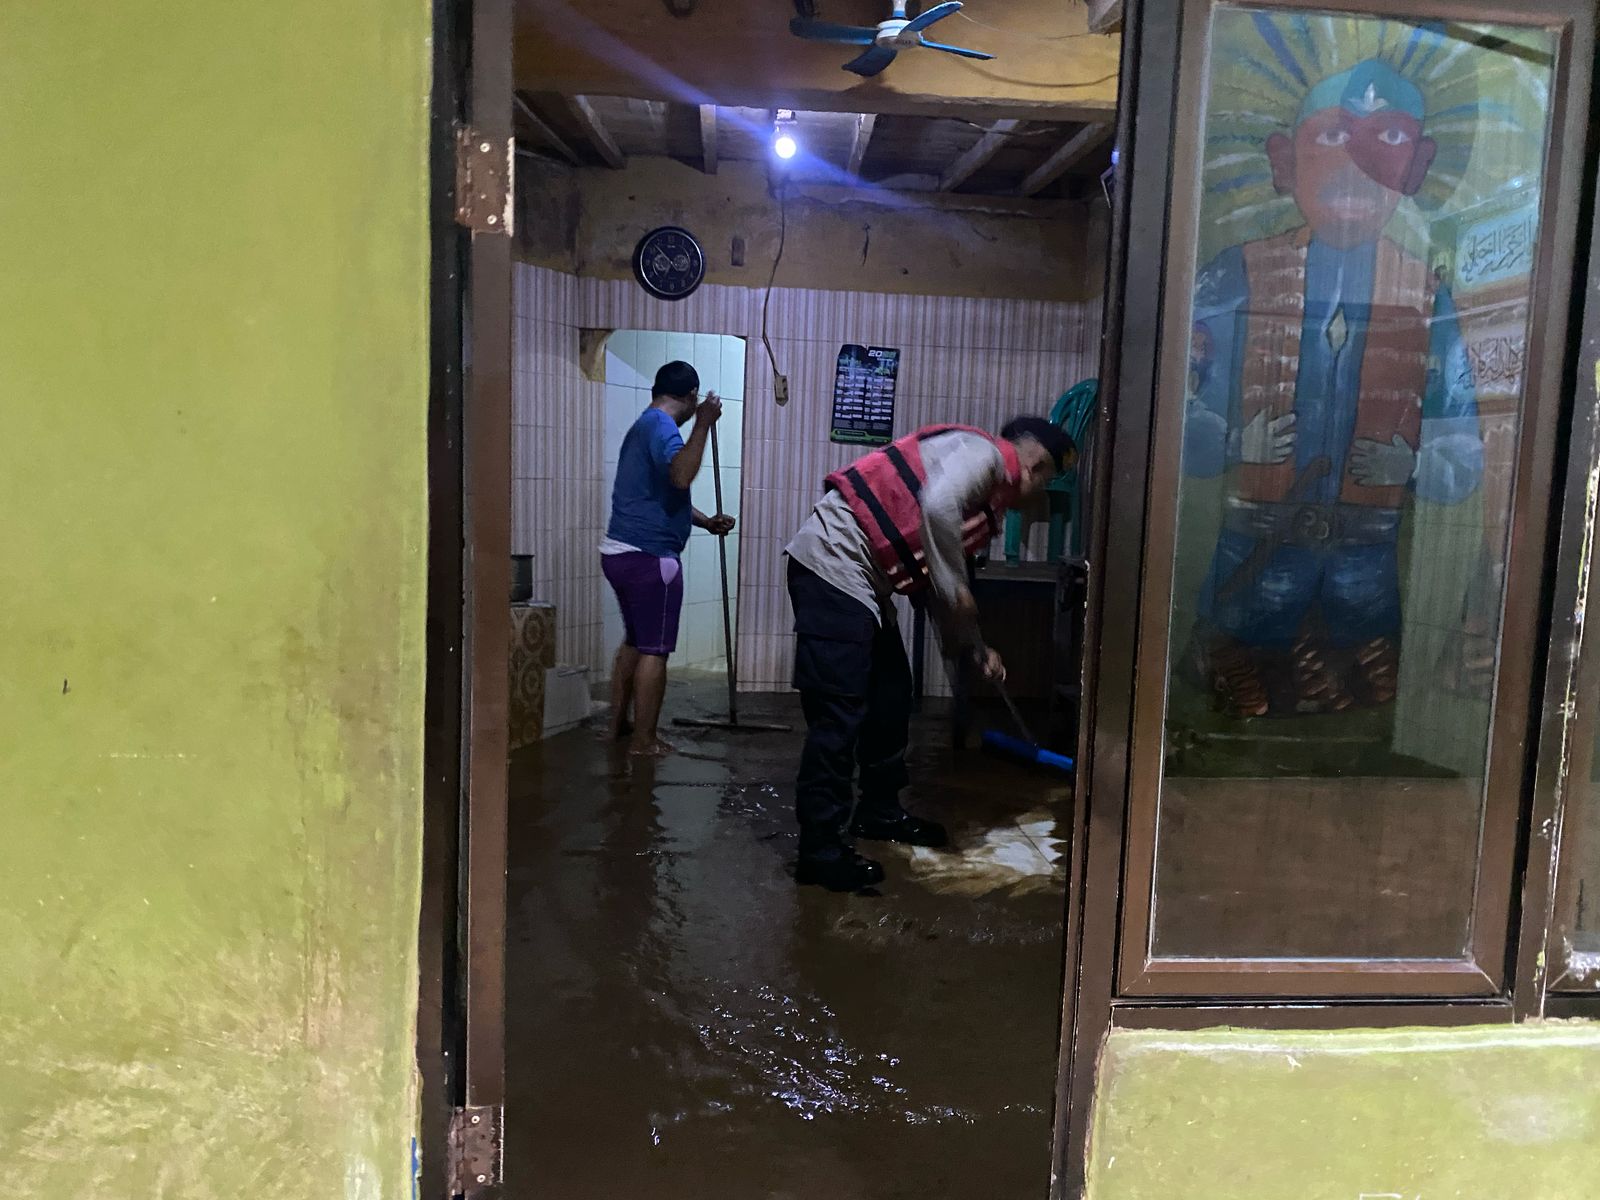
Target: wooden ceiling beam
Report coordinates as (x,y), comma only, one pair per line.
(973,161)
(594,130)
(1065,156)
(708,138)
(549,136)
(746,57)
(865,124)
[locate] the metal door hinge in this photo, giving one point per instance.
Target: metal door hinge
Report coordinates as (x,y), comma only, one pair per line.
(483,182)
(477,1149)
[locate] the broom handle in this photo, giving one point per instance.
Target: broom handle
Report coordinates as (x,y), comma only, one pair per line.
(1015,715)
(722,557)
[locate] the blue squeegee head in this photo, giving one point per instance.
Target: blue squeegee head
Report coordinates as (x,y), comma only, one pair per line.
(1026,752)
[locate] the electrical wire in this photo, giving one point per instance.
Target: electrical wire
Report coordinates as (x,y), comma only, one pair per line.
(1032,37)
(766,302)
(1041,131)
(1057,87)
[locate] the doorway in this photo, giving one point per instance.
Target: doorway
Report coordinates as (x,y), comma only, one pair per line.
(870,1046)
(705,1035)
(683,1019)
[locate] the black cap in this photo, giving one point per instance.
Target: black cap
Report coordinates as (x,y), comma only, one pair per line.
(676,379)
(1055,440)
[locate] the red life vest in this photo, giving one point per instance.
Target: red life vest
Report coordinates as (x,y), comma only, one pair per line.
(1394,365)
(884,490)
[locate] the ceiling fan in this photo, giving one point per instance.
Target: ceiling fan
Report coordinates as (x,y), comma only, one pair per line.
(884,40)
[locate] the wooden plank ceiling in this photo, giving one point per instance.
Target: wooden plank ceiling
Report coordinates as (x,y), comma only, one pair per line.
(1049,62)
(1006,157)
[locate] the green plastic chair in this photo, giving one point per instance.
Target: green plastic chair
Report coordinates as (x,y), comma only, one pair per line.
(1073,412)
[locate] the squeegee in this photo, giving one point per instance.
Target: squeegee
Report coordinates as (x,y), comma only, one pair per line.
(1023,749)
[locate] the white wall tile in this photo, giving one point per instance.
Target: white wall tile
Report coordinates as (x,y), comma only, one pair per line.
(733,356)
(623,344)
(696,568)
(732,489)
(707,359)
(702,643)
(680,348)
(730,434)
(624,371)
(622,409)
(652,355)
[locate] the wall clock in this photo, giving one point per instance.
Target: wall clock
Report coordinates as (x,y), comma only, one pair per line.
(668,263)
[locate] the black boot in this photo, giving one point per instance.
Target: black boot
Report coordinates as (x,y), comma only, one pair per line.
(881,824)
(837,868)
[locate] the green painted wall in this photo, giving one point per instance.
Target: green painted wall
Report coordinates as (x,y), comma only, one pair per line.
(1501,1113)
(212,472)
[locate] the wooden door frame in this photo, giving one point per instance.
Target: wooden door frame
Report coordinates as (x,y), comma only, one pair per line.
(1482,971)
(439,1018)
(1545,985)
(460,1043)
(1145,113)
(1093,1004)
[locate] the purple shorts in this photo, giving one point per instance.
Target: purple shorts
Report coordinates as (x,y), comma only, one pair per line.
(650,593)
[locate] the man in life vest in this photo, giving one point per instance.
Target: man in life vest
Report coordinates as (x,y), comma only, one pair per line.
(1328,384)
(903,519)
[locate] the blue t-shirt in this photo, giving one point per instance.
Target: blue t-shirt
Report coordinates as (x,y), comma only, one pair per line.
(646,510)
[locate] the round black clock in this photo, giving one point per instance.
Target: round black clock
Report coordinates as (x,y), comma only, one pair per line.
(668,263)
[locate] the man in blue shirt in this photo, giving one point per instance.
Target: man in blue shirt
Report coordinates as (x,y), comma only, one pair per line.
(651,517)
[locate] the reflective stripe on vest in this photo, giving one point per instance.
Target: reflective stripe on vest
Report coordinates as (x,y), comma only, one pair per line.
(884,491)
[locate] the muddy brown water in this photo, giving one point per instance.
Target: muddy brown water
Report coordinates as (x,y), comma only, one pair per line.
(683,1021)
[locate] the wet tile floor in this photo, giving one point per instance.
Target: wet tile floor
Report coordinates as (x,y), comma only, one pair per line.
(683,1021)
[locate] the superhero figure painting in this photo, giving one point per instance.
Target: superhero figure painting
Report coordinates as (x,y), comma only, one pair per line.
(1331,387)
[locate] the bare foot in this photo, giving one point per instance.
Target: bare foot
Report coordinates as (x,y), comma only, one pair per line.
(651,749)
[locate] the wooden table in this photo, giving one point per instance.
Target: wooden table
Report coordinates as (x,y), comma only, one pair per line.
(1032,613)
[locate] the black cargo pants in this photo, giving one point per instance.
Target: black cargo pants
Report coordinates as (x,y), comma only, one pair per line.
(855,687)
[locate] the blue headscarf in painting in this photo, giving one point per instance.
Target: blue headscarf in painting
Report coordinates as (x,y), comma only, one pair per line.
(1365,90)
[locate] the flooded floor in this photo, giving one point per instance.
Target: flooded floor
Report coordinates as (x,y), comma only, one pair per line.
(684,1022)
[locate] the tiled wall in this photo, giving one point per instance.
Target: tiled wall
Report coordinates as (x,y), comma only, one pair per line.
(632,358)
(978,362)
(557,462)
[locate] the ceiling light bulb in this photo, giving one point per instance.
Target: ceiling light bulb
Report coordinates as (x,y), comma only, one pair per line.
(784,146)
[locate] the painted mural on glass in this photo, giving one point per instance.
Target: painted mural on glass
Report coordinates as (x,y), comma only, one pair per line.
(1367,243)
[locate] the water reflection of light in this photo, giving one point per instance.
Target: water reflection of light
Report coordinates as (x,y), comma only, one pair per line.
(788,1049)
(1023,856)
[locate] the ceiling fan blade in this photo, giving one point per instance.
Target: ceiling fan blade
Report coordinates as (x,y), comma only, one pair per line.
(937,13)
(961,50)
(871,61)
(827,31)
